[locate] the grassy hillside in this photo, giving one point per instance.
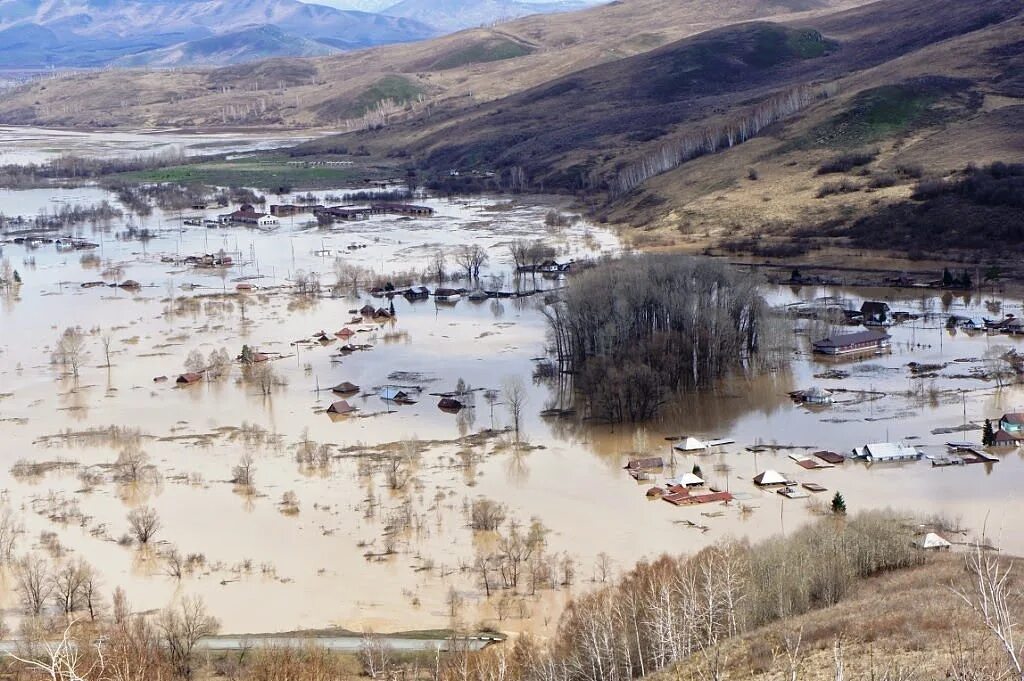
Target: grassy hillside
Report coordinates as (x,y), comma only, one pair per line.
(455,73)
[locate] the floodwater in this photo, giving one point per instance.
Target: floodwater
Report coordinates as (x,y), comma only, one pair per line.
(20,145)
(270,571)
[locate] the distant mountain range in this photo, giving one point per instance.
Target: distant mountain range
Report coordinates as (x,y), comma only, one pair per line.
(168,33)
(455,15)
(90,33)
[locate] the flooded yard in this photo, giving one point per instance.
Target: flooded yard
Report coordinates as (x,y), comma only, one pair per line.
(373,531)
(22,145)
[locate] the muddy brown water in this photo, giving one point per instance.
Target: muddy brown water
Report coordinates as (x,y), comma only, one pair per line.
(268,571)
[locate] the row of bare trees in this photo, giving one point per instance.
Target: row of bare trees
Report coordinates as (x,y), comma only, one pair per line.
(633,331)
(676,608)
(745,125)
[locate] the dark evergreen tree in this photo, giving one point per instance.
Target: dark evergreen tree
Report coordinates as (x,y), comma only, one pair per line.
(838,504)
(988,435)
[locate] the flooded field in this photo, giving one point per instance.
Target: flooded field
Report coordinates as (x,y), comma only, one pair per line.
(373,530)
(21,145)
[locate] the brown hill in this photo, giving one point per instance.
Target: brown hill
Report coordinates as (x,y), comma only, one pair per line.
(445,74)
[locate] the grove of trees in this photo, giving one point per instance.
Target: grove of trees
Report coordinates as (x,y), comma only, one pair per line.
(635,330)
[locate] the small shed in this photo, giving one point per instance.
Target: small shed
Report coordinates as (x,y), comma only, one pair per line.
(345,388)
(933,542)
(189,378)
(690,444)
(770,478)
(367,310)
(345,333)
(449,404)
(341,407)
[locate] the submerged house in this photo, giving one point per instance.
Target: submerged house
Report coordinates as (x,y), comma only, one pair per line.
(1012,422)
(341,407)
(770,478)
(932,542)
(886,451)
(649,463)
(1004,438)
(392,394)
(690,444)
(345,388)
(449,404)
(816,395)
(853,343)
(189,378)
(875,313)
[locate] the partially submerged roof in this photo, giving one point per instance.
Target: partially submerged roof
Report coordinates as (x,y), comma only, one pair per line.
(649,462)
(770,477)
(1015,418)
(341,407)
(845,339)
(887,450)
(345,388)
(690,444)
(933,541)
(687,480)
(393,394)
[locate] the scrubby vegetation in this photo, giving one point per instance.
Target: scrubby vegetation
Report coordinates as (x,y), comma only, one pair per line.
(978,208)
(636,330)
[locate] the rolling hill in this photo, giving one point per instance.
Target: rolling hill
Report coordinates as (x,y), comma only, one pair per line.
(449,74)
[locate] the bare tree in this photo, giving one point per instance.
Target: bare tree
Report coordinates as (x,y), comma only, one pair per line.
(265,377)
(994,599)
(514,393)
(107,338)
(144,523)
(218,364)
(65,660)
(33,583)
(69,584)
(71,351)
(10,529)
(181,628)
(195,362)
(132,463)
(438,263)
(244,472)
(471,258)
(486,515)
(375,656)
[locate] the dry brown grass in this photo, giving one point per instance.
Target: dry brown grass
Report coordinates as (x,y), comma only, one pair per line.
(908,620)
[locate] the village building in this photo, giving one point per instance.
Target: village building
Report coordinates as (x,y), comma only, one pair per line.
(447,295)
(247,215)
(341,408)
(1005,438)
(770,478)
(402,209)
(345,388)
(449,404)
(189,378)
(648,463)
(288,210)
(391,394)
(1012,422)
(875,313)
(816,396)
(932,542)
(690,444)
(853,343)
(886,451)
